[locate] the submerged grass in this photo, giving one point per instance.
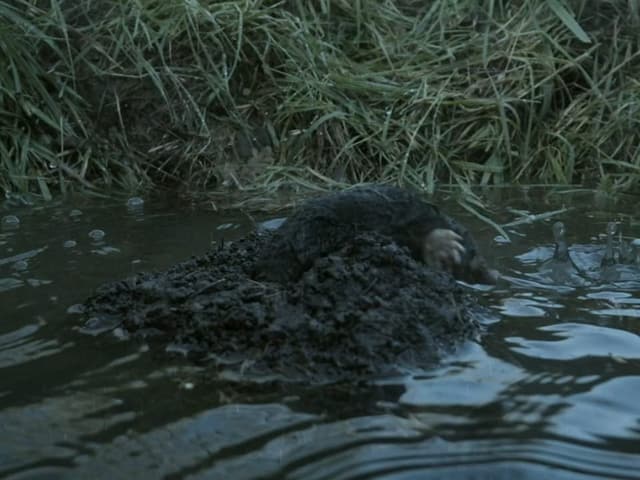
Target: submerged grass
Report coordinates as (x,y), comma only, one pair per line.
(257,95)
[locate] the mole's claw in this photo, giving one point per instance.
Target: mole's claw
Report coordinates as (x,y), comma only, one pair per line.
(455,235)
(458,252)
(456,257)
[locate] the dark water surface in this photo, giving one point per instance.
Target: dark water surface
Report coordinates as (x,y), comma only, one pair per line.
(551,391)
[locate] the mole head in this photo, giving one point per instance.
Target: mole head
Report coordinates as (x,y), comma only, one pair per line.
(558,232)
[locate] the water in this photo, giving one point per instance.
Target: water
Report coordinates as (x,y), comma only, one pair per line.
(550,392)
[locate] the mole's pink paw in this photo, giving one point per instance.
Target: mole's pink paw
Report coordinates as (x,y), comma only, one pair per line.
(443,249)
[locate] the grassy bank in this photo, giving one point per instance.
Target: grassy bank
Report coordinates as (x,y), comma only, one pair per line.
(259,94)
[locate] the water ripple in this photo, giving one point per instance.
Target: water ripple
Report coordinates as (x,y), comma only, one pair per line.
(578,340)
(609,410)
(18,347)
(389,447)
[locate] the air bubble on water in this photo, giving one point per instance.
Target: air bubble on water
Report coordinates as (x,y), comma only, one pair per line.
(75,213)
(97,234)
(225,226)
(69,244)
(120,333)
(10,220)
(76,309)
(106,250)
(135,202)
(100,324)
(135,207)
(21,265)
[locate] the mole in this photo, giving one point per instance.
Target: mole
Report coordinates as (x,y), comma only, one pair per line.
(324,224)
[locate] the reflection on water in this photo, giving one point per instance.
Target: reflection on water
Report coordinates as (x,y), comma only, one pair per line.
(550,392)
(571,341)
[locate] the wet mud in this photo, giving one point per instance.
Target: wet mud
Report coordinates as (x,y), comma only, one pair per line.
(362,307)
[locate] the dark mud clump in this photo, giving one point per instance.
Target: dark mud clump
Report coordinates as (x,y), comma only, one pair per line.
(366,307)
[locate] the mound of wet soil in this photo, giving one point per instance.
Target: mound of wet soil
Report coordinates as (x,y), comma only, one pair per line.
(367,308)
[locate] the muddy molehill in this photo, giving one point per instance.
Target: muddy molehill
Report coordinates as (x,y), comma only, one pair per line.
(367,308)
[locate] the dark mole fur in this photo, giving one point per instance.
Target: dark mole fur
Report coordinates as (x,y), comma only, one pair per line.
(324,224)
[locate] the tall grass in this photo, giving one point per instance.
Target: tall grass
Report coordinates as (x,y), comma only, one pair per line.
(257,94)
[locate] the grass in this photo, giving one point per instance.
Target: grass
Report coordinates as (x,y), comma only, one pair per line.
(259,95)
